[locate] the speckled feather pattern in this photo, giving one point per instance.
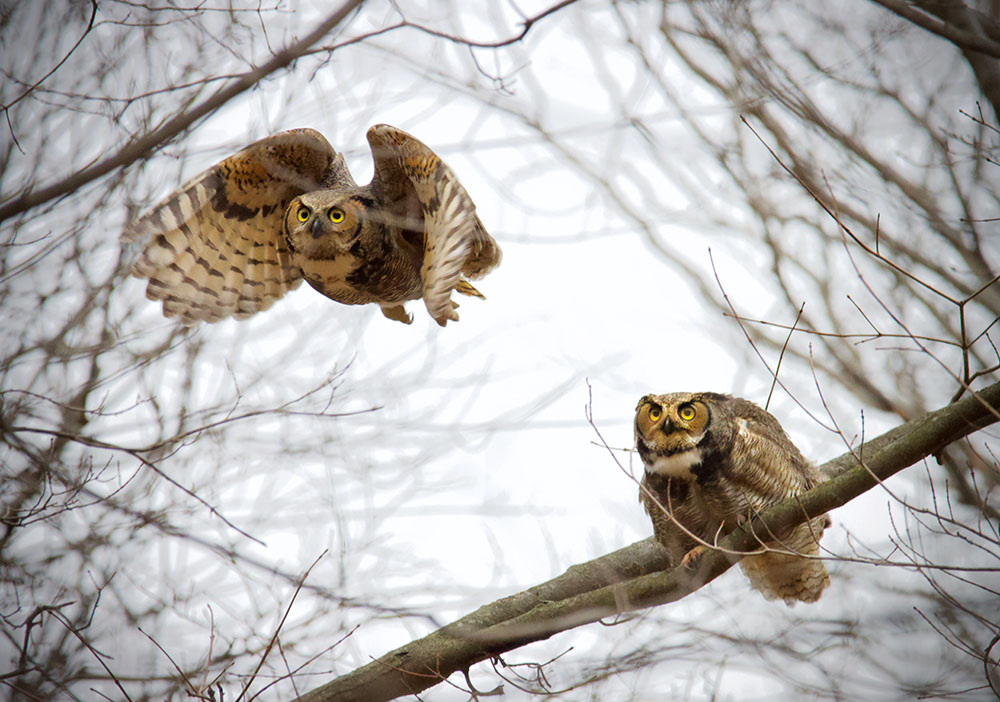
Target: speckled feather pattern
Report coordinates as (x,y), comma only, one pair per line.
(227,243)
(747,464)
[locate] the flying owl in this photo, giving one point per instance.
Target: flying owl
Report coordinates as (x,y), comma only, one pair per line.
(239,236)
(711,461)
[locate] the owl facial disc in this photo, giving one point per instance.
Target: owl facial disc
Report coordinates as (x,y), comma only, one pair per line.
(669,436)
(321,225)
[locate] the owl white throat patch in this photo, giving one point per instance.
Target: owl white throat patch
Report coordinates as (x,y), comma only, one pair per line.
(676,465)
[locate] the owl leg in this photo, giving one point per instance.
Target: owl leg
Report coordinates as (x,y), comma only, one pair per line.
(397,313)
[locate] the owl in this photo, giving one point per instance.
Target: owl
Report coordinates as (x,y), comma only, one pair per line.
(713,460)
(237,237)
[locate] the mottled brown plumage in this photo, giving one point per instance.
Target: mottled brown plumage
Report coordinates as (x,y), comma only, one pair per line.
(237,237)
(711,461)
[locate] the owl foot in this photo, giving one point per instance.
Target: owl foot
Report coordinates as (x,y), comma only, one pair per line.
(691,558)
(452,315)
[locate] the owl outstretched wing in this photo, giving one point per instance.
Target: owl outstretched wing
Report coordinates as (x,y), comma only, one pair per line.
(455,243)
(214,248)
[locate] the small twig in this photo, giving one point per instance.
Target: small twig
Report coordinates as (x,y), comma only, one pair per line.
(753,345)
(986,665)
(97,654)
(274,636)
(33,86)
(777,368)
(187,683)
(840,223)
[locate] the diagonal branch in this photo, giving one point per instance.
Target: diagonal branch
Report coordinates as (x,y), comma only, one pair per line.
(962,37)
(178,123)
(633,577)
(973,32)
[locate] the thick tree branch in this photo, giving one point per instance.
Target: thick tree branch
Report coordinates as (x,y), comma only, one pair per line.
(145,145)
(972,32)
(962,37)
(633,577)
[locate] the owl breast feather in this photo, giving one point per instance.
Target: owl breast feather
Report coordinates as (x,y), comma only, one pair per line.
(676,465)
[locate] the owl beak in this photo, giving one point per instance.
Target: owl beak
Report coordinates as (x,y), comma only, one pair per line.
(317,227)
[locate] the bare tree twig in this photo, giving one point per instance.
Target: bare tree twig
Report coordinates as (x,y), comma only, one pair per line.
(526,26)
(277,630)
(27,91)
(146,144)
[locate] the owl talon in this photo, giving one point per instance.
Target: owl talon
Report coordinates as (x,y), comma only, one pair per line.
(691,558)
(466,288)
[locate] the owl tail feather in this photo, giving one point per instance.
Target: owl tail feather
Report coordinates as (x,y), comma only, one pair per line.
(784,576)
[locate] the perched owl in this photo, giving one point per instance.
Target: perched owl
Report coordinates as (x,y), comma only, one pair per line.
(713,460)
(236,238)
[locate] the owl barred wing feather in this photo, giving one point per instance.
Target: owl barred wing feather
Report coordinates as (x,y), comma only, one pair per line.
(784,472)
(485,254)
(455,242)
(214,248)
(449,241)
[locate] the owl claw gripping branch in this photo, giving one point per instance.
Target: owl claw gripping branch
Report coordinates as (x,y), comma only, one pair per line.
(237,237)
(711,461)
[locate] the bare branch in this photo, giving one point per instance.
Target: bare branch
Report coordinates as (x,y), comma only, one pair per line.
(145,145)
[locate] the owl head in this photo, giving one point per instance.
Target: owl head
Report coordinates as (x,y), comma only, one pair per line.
(325,223)
(675,433)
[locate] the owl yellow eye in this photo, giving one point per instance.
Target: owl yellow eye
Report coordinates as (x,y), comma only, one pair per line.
(303,214)
(654,413)
(336,215)
(686,412)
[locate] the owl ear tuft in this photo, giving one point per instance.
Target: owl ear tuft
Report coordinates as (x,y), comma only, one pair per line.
(338,177)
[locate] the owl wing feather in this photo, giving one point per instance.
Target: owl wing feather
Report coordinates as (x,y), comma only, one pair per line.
(783,472)
(455,242)
(215,247)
